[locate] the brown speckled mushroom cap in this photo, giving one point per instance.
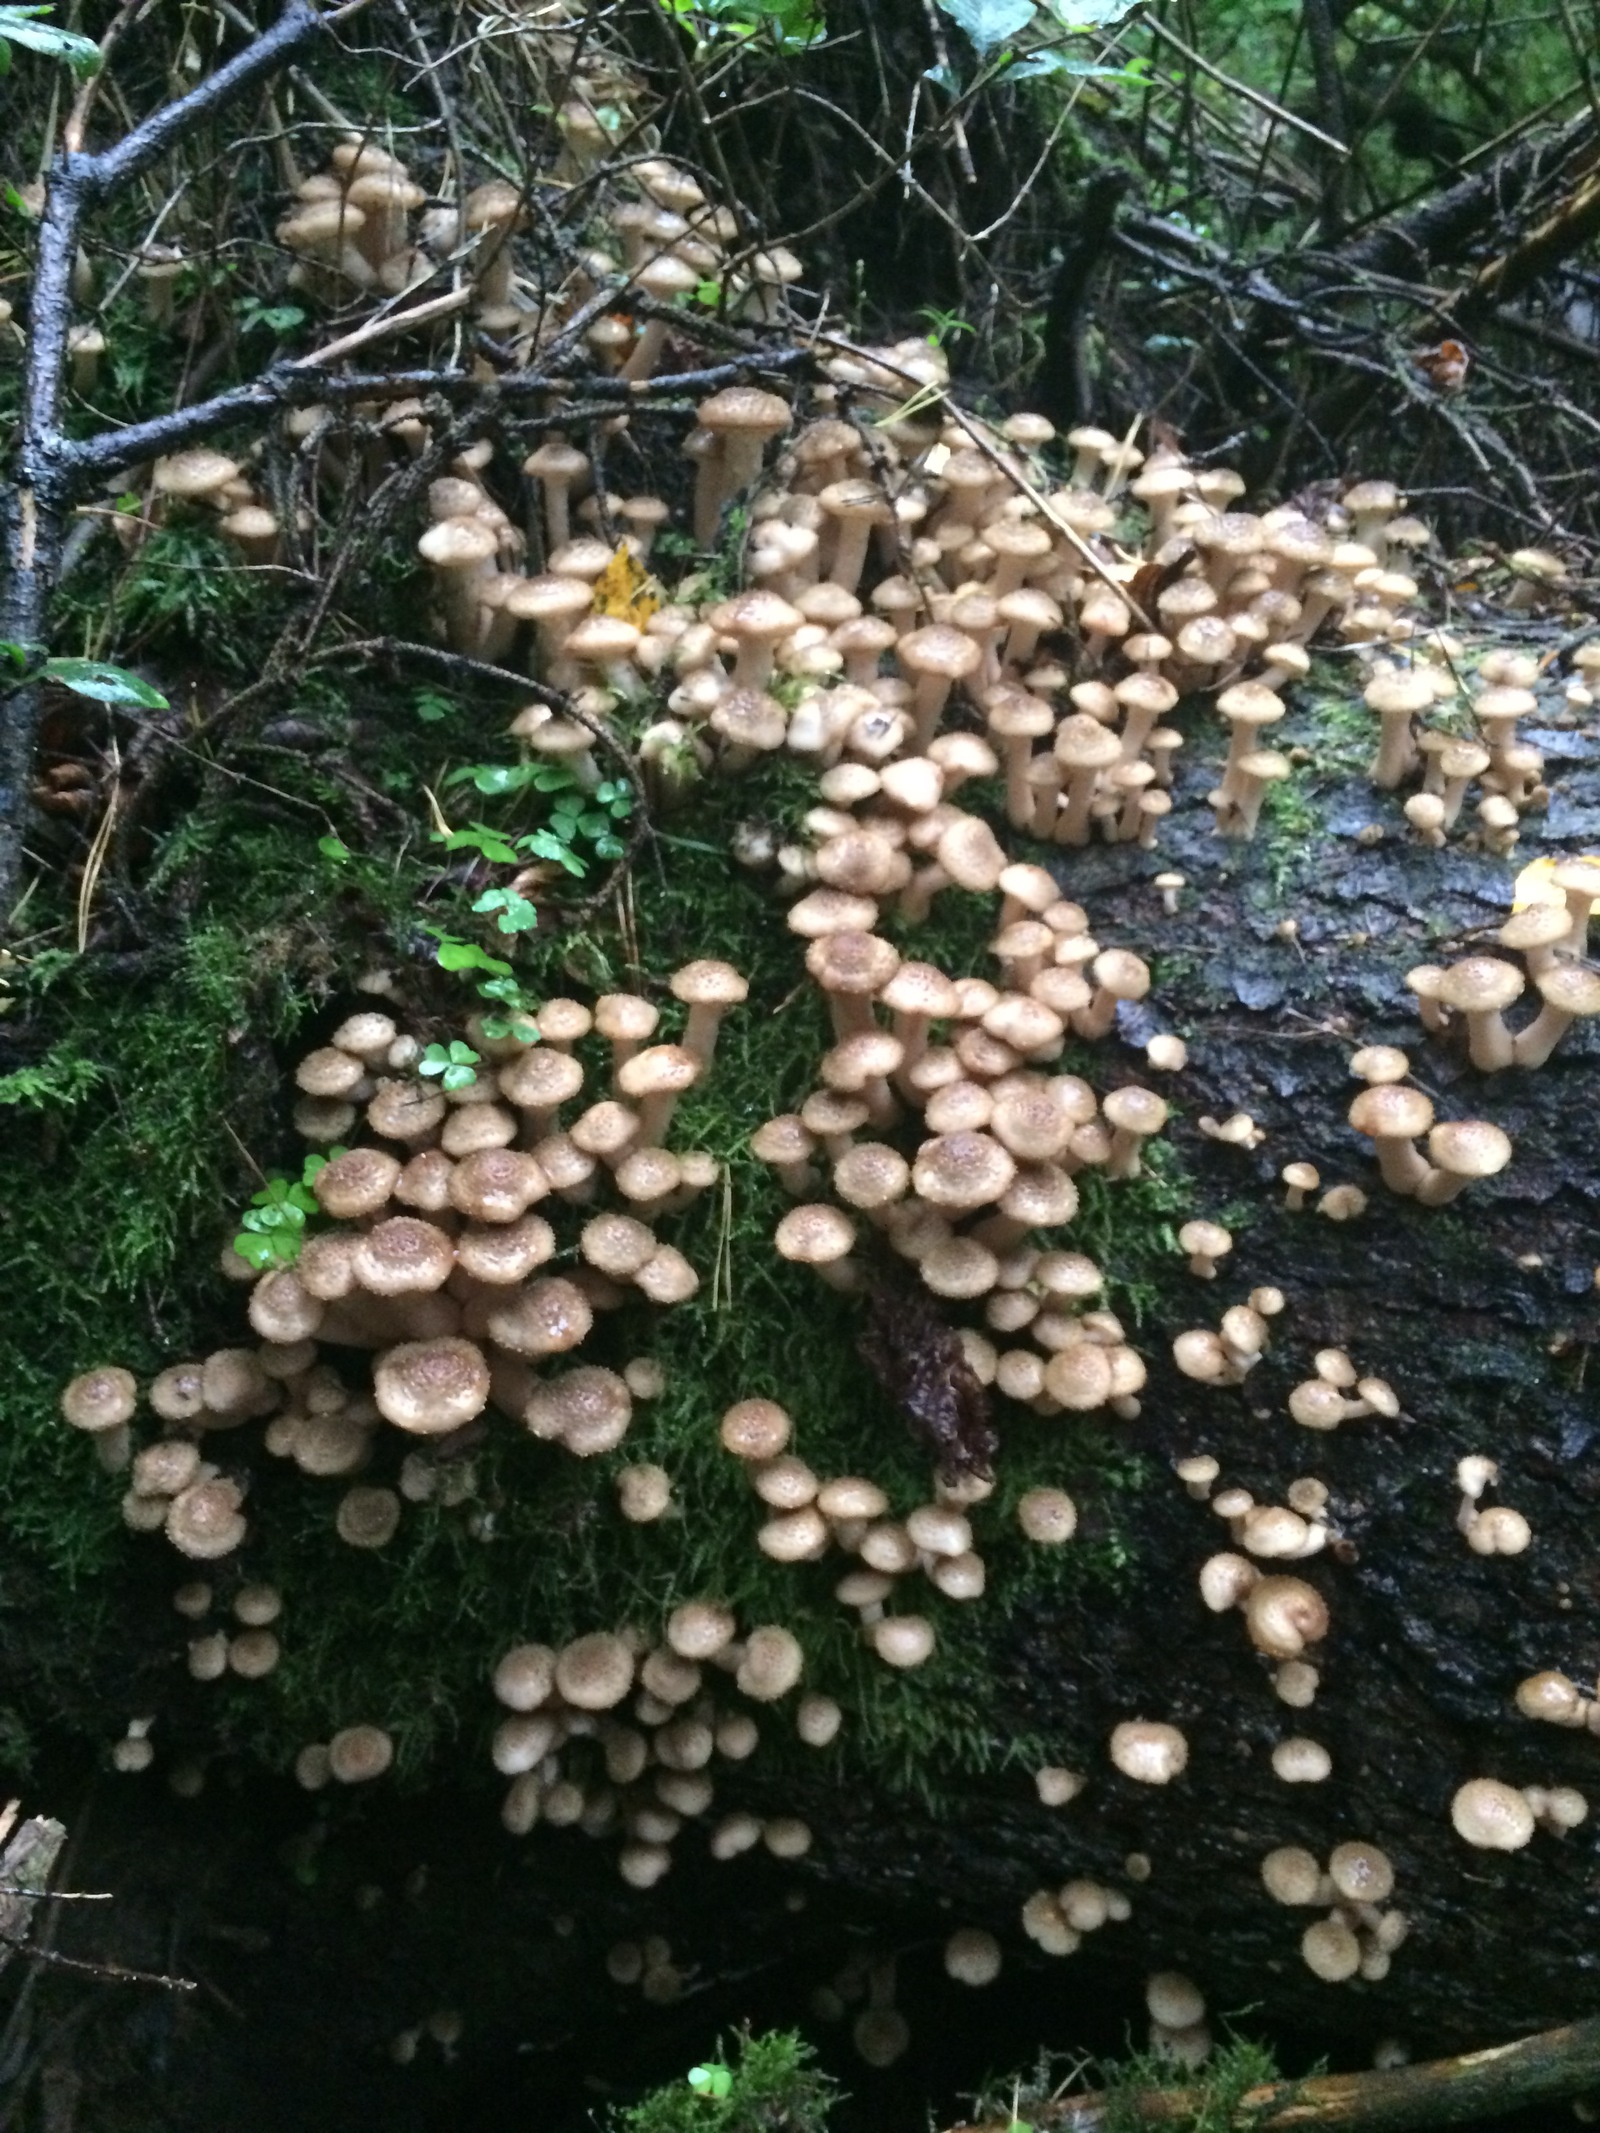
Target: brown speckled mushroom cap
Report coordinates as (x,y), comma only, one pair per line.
(1391,1110)
(360,1182)
(525,1676)
(203,1520)
(429,1388)
(825,911)
(962,1170)
(771,1665)
(403,1111)
(540,1079)
(617,1244)
(367,1517)
(587,1409)
(357,1754)
(1491,1816)
(814,1235)
(497,1184)
(402,1255)
(755,1429)
(546,1318)
(594,1673)
(1463,1149)
(101,1399)
(506,1252)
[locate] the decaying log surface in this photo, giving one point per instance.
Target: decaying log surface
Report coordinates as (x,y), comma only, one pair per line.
(27,1860)
(1548,2068)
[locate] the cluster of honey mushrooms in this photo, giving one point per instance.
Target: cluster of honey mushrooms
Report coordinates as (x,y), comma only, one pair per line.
(974,634)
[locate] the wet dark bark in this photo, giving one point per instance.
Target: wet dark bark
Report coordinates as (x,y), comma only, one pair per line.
(1481,1315)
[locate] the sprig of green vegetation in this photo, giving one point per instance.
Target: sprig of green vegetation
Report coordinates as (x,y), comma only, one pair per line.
(770,2085)
(453,1065)
(274,1224)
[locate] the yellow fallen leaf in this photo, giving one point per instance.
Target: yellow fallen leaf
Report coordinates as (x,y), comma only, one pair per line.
(626,590)
(1535,884)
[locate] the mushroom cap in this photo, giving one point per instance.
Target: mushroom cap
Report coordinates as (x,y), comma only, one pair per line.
(367,1517)
(744,409)
(1375,1063)
(1330,1950)
(540,1078)
(203,1520)
(708,983)
(972,1956)
(402,1255)
(458,543)
(1283,1615)
(1299,1761)
(196,473)
(814,1235)
(587,1409)
(429,1388)
(1492,1816)
(357,1754)
(594,1673)
(1571,988)
(771,1664)
(939,649)
(1404,689)
(1469,1148)
(357,1183)
(1361,1872)
(1148,1751)
(1251,703)
(962,1170)
(1481,984)
(1391,1111)
(755,1429)
(659,1070)
(1291,1875)
(100,1399)
(496,1184)
(903,1640)
(1048,1516)
(699,1629)
(546,1317)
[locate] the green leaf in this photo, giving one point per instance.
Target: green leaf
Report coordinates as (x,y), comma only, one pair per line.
(256,1251)
(466,955)
(495,777)
(1087,14)
(988,23)
(713,2081)
(104,684)
(334,848)
(17,26)
(430,706)
(478,837)
(517,915)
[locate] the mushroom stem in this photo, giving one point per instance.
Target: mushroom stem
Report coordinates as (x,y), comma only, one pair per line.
(1402,1166)
(1532,1046)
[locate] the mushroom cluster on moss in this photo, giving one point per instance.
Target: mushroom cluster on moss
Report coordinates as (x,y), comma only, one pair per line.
(430,1257)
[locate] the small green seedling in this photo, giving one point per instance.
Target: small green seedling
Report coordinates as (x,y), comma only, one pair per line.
(274,1224)
(455,1065)
(713,2081)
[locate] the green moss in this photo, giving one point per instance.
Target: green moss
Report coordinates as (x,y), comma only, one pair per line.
(767,2084)
(1126,2087)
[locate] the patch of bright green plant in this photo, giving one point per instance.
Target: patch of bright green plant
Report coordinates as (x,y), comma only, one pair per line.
(770,2084)
(582,825)
(95,679)
(24,28)
(273,1226)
